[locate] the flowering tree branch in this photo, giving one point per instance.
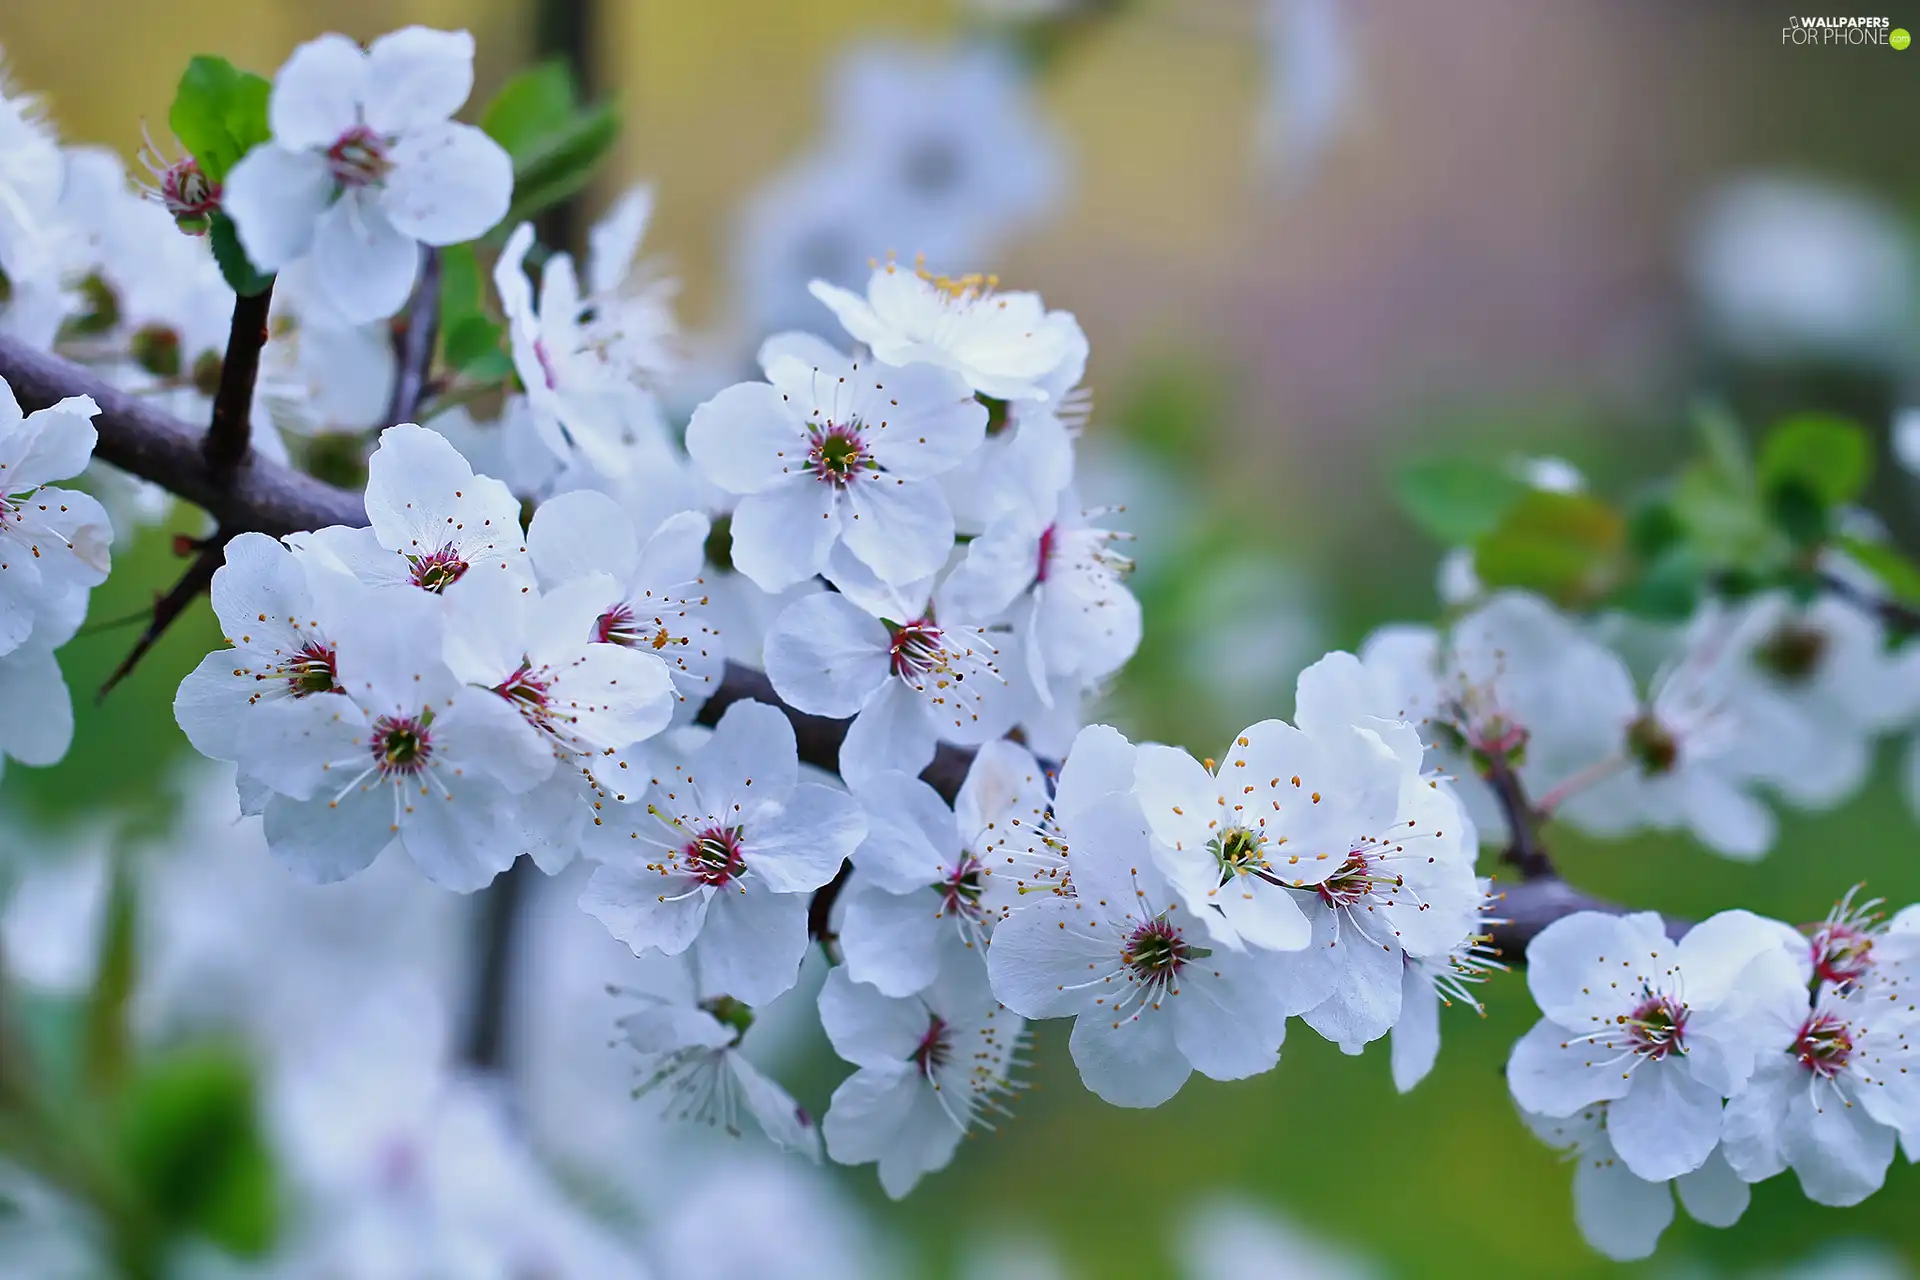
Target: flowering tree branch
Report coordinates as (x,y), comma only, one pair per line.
(140,438)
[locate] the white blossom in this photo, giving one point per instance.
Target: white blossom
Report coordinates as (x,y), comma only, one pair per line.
(1120,954)
(907,684)
(724,857)
(932,1066)
(1005,345)
(1662,1031)
(399,750)
(367,164)
(836,449)
(1620,1213)
(931,876)
(659,601)
(583,402)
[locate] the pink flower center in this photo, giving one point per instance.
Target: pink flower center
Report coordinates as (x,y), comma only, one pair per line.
(1824,1045)
(618,626)
(526,690)
(916,648)
(960,892)
(1046,553)
(838,454)
(1355,882)
(1657,1027)
(313,670)
(401,746)
(935,1050)
(713,857)
(1156,952)
(438,569)
(359,157)
(1842,953)
(187,194)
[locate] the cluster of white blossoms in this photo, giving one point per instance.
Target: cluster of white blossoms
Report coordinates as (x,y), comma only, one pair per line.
(55,547)
(1762,698)
(1745,1049)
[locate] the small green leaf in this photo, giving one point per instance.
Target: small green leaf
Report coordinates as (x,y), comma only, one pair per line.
(472,339)
(240,273)
(190,1142)
(530,107)
(1666,589)
(562,162)
(1798,512)
(489,366)
(1653,527)
(219,113)
(1569,547)
(1899,575)
(1457,500)
(1830,457)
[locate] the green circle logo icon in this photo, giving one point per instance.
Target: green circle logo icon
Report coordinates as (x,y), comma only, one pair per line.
(1899,38)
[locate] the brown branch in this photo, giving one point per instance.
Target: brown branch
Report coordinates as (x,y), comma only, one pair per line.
(413,348)
(230,430)
(144,440)
(166,608)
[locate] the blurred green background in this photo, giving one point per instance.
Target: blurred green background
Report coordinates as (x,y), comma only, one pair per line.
(1489,257)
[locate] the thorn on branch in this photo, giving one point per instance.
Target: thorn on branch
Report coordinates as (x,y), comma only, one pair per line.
(229,433)
(168,608)
(414,343)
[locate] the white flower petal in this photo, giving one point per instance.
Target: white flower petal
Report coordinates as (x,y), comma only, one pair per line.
(363,262)
(417,77)
(276,198)
(317,93)
(450,183)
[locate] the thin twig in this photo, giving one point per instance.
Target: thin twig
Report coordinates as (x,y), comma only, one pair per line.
(414,345)
(229,432)
(1897,615)
(166,608)
(1524,852)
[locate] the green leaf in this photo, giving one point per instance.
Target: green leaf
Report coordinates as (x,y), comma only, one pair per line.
(1569,547)
(1666,589)
(562,162)
(1830,457)
(1457,500)
(1899,575)
(240,273)
(530,107)
(219,113)
(106,1047)
(472,339)
(1798,512)
(189,1139)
